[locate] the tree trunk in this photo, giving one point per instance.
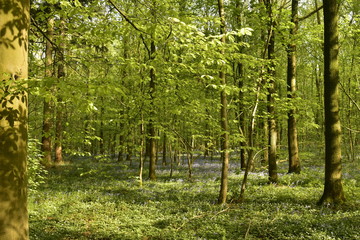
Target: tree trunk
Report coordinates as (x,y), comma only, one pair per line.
(239,79)
(333,190)
(60,105)
(47,108)
(223,117)
(101,129)
(59,132)
(241,116)
(14,25)
(164,163)
(121,145)
(293,149)
(141,165)
(151,127)
(273,178)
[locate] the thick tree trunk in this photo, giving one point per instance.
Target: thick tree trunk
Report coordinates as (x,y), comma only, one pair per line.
(333,190)
(14,24)
(224,118)
(293,149)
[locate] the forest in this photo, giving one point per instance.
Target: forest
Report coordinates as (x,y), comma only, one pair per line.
(175,119)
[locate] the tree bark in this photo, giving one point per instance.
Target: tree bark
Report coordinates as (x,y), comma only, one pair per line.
(223,117)
(14,25)
(333,190)
(164,163)
(151,127)
(273,178)
(47,108)
(141,164)
(60,105)
(239,79)
(293,149)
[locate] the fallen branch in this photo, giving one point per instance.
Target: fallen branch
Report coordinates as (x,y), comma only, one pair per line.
(201,216)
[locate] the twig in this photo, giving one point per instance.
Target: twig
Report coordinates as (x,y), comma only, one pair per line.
(33,21)
(247,230)
(224,210)
(194,217)
(201,216)
(348,95)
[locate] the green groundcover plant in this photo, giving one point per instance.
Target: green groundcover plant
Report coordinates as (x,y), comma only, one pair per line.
(84,199)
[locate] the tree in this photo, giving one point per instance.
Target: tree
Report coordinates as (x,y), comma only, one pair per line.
(223,116)
(333,190)
(293,148)
(47,108)
(272,138)
(14,24)
(151,125)
(60,105)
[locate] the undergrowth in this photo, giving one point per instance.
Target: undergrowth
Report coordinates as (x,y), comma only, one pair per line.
(87,199)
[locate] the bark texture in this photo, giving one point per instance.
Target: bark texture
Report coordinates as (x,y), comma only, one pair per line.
(333,190)
(151,125)
(272,138)
(14,24)
(293,149)
(223,117)
(47,108)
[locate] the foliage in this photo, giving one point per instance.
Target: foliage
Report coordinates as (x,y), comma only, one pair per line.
(107,99)
(36,171)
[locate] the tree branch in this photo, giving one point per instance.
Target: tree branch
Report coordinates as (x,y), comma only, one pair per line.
(33,21)
(311,13)
(126,17)
(132,24)
(348,95)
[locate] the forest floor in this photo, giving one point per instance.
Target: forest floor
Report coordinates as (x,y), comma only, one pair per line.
(86,199)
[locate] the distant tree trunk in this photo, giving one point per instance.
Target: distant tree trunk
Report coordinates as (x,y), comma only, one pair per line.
(265,142)
(333,190)
(151,126)
(273,178)
(47,108)
(14,25)
(223,117)
(293,149)
(59,132)
(121,144)
(241,116)
(124,74)
(101,129)
(318,82)
(164,150)
(141,165)
(238,73)
(60,105)
(172,159)
(130,151)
